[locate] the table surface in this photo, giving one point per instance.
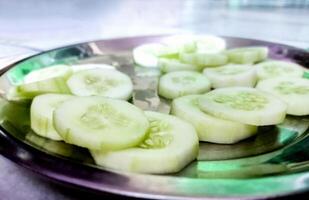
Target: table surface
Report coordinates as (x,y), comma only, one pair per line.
(32,26)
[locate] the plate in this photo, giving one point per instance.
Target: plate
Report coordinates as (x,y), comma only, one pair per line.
(272,164)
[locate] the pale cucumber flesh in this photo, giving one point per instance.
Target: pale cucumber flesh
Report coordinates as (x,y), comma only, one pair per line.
(101,82)
(100,123)
(51,85)
(231,75)
(208,127)
(293,91)
(41,114)
(181,83)
(244,105)
(274,68)
(247,55)
(170,145)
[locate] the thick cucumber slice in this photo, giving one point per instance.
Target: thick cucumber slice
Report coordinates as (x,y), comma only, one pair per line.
(244,105)
(13,94)
(247,55)
(210,44)
(100,123)
(170,145)
(146,55)
(180,83)
(51,85)
(169,65)
(209,128)
(101,82)
(271,69)
(293,91)
(198,43)
(204,59)
(41,114)
(231,75)
(47,73)
(81,67)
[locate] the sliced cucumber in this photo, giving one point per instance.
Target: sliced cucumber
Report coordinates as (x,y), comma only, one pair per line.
(209,128)
(169,146)
(275,68)
(101,82)
(247,55)
(244,105)
(100,123)
(198,43)
(231,75)
(210,44)
(47,73)
(146,55)
(81,67)
(293,91)
(13,94)
(41,114)
(169,65)
(51,85)
(180,83)
(204,59)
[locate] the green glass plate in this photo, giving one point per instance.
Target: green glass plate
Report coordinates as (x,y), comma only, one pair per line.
(273,163)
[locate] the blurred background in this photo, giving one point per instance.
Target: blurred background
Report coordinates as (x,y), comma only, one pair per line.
(32,26)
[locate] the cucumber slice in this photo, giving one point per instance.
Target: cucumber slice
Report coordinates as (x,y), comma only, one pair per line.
(273,68)
(209,128)
(180,83)
(146,55)
(244,105)
(198,43)
(47,73)
(41,114)
(100,123)
(210,44)
(101,82)
(170,145)
(81,67)
(231,75)
(247,55)
(51,85)
(204,59)
(170,65)
(13,94)
(293,91)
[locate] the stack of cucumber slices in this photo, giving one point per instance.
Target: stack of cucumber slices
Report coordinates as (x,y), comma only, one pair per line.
(217,95)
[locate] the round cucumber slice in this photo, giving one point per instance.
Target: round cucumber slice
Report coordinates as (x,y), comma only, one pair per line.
(209,128)
(244,105)
(51,85)
(101,82)
(231,75)
(273,68)
(170,145)
(146,55)
(210,44)
(100,123)
(180,83)
(47,73)
(81,67)
(204,59)
(198,43)
(41,114)
(170,65)
(247,55)
(293,91)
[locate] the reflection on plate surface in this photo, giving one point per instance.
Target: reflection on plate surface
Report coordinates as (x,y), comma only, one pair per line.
(274,162)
